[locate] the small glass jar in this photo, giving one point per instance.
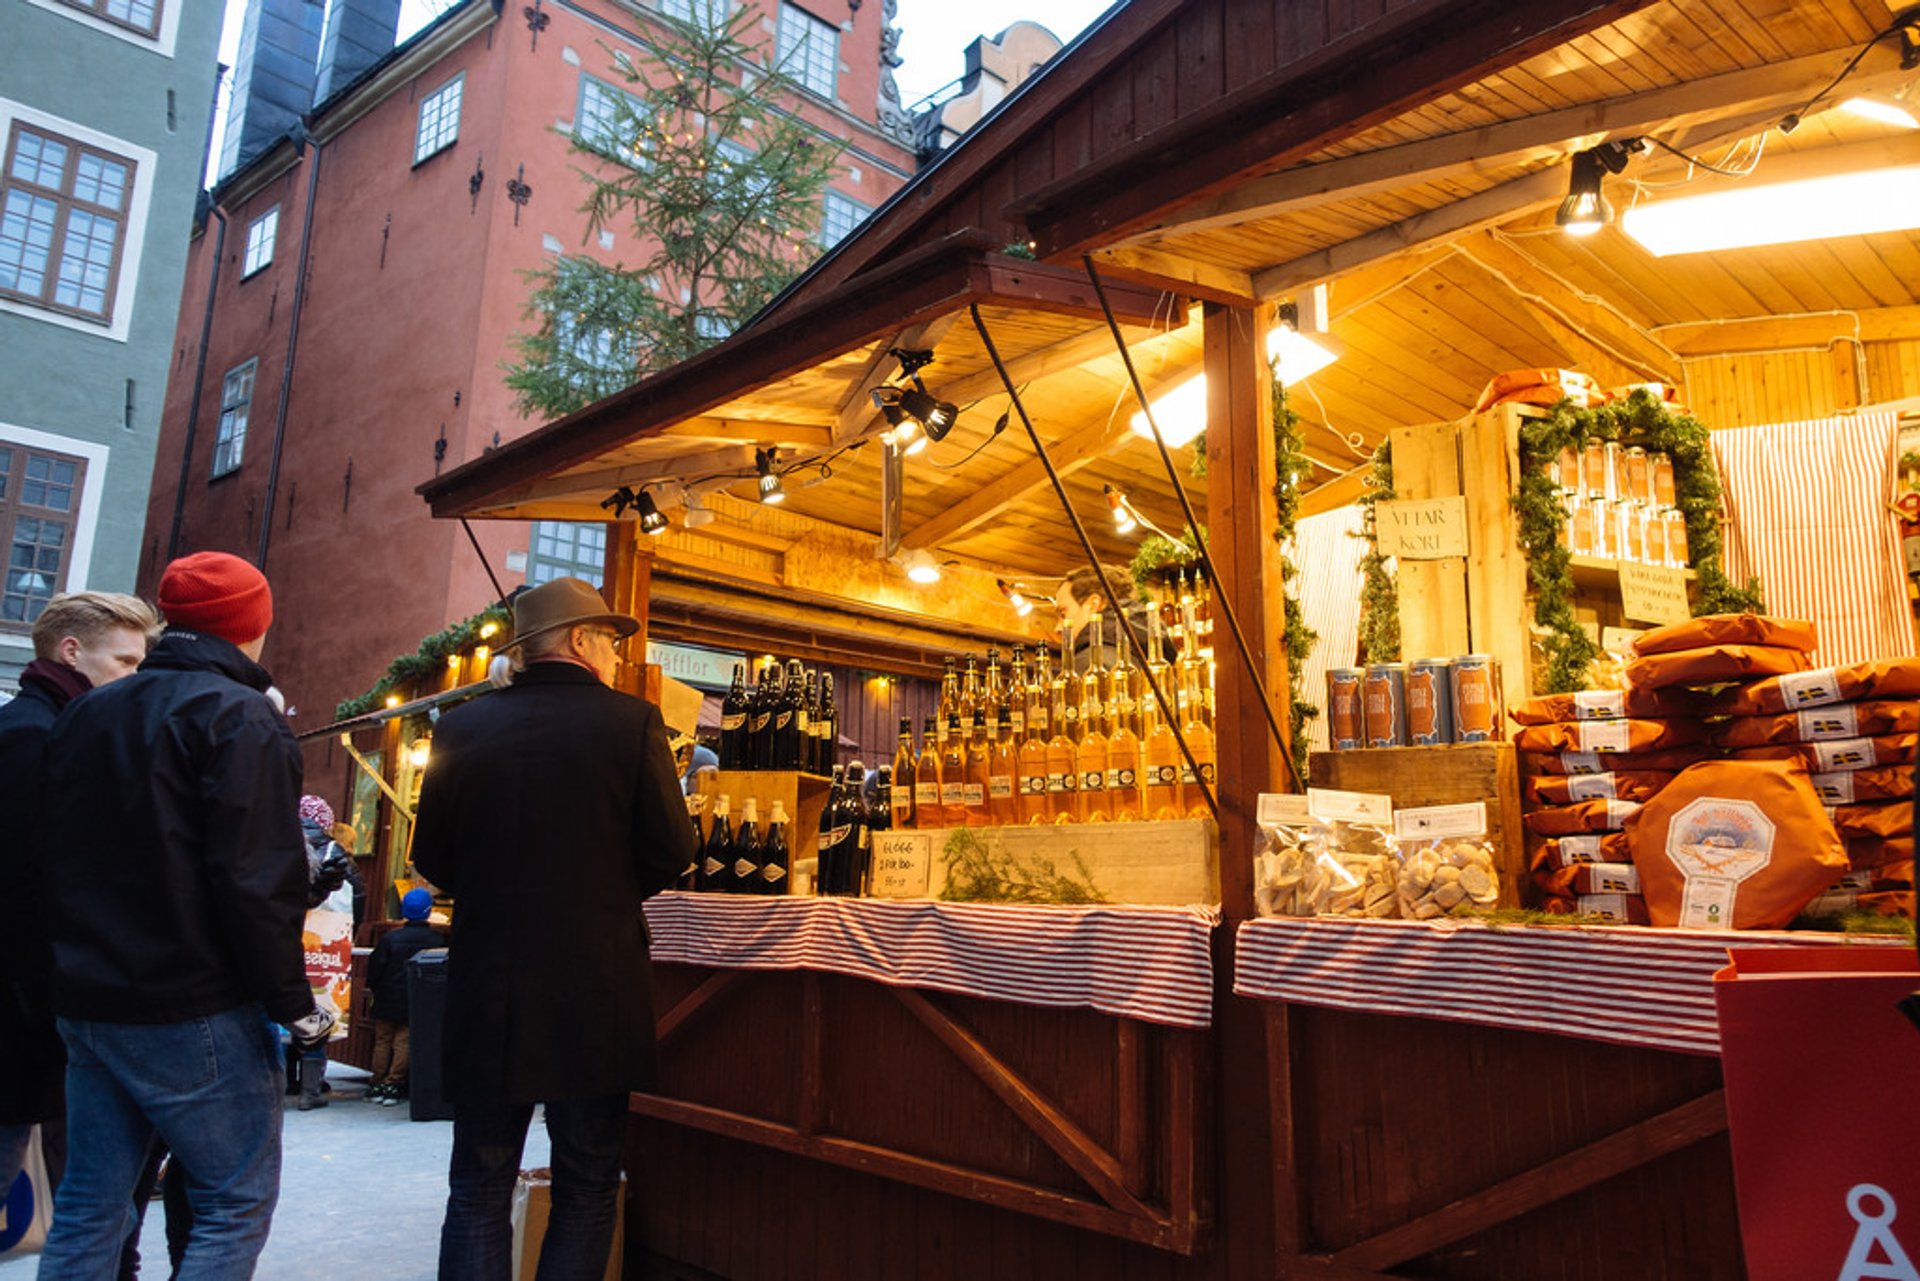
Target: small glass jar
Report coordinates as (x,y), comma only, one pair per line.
(1639,476)
(1662,467)
(1579,526)
(1566,469)
(1616,477)
(1676,525)
(1631,522)
(1605,531)
(1593,468)
(1653,536)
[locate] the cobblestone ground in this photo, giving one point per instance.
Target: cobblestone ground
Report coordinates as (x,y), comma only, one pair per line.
(362,1191)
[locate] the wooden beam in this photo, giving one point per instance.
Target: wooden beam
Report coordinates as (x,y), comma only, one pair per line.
(1204,280)
(1346,488)
(784,435)
(1550,134)
(1791,332)
(605,480)
(693,1004)
(1037,1112)
(1585,319)
(1544,1184)
(1068,353)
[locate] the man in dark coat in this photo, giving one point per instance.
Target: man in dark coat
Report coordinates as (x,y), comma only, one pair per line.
(174,908)
(550,811)
(80,640)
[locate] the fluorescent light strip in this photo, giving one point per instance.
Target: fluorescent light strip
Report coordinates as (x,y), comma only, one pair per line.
(1852,204)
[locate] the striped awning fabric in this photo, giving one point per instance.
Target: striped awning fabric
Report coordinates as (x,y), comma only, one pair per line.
(1154,964)
(1626,985)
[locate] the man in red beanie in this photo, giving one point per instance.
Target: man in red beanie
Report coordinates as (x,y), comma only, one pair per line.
(176,882)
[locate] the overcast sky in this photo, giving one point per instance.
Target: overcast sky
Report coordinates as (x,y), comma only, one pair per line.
(933,33)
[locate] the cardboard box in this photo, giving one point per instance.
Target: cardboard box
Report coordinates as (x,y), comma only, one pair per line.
(533,1203)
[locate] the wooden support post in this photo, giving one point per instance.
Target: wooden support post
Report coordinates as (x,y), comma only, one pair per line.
(813,1086)
(628,582)
(1246,559)
(1130,1105)
(1433,596)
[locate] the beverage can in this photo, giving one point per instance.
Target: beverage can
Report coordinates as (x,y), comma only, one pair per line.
(1429,702)
(1346,725)
(1476,699)
(1385,704)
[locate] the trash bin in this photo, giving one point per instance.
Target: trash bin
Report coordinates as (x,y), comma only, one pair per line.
(427,1022)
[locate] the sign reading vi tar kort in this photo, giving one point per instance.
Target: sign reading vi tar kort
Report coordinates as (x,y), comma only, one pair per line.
(902,862)
(1422,528)
(1653,594)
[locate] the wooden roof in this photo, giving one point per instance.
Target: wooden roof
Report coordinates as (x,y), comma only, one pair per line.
(1432,226)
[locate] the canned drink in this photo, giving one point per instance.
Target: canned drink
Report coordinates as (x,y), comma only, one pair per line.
(1385,693)
(1429,702)
(1346,724)
(1476,699)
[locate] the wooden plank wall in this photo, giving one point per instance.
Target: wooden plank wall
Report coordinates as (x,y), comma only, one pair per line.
(1786,386)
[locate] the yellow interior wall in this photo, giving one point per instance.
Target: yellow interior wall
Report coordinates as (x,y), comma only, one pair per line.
(1784,386)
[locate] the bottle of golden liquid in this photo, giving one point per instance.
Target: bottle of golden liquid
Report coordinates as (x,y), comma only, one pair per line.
(1093,708)
(1160,790)
(1017,695)
(979,748)
(927,811)
(1039,692)
(1063,762)
(1199,735)
(1123,744)
(1003,807)
(969,696)
(953,775)
(1066,691)
(949,703)
(1030,777)
(900,789)
(1093,758)
(993,692)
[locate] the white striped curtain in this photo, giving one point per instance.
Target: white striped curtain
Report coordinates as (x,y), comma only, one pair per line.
(1329,558)
(1807,514)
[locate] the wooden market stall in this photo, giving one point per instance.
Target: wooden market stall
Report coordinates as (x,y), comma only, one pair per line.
(1216,159)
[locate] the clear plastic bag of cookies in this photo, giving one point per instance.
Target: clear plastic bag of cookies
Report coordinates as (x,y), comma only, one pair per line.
(1359,858)
(1288,879)
(1446,864)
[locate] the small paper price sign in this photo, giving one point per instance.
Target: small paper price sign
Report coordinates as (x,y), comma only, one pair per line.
(1654,594)
(1423,528)
(901,863)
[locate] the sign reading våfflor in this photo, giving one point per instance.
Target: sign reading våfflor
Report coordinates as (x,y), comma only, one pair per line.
(1422,528)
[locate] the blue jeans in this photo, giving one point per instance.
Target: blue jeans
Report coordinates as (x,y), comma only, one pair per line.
(476,1242)
(211,1088)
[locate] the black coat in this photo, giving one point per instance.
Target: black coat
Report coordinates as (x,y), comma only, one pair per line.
(33,1063)
(387,967)
(550,810)
(180,882)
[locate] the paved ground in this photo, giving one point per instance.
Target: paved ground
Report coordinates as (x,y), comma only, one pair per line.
(362,1190)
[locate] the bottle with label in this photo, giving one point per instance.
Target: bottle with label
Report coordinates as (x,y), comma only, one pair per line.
(1161,788)
(979,749)
(927,808)
(1064,705)
(854,866)
(953,775)
(829,726)
(1092,757)
(1063,762)
(1039,692)
(784,722)
(766,708)
(949,704)
(716,856)
(880,813)
(733,721)
(993,692)
(900,780)
(1030,779)
(1017,694)
(689,877)
(827,876)
(776,857)
(1002,807)
(810,737)
(747,854)
(1199,735)
(793,735)
(1123,766)
(969,696)
(1093,714)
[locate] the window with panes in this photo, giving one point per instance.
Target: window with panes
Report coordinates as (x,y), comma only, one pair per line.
(838,217)
(439,120)
(236,406)
(567,549)
(260,236)
(601,124)
(809,50)
(39,502)
(63,222)
(135,15)
(706,13)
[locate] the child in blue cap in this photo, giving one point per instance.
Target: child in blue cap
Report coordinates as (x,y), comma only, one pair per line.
(387,986)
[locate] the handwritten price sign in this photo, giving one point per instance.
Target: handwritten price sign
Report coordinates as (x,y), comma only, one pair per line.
(901,863)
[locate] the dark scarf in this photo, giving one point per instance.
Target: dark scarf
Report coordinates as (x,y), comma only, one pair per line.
(59,682)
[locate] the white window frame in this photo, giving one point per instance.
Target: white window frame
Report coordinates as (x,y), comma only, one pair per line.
(230,437)
(835,200)
(436,128)
(261,233)
(86,522)
(543,568)
(162,42)
(145,160)
(592,128)
(799,39)
(713,13)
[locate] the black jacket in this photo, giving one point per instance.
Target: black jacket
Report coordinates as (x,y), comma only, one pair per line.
(387,967)
(175,874)
(550,810)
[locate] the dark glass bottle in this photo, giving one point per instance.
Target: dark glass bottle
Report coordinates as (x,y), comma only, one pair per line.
(829,724)
(759,719)
(810,741)
(716,856)
(776,858)
(690,875)
(859,838)
(748,855)
(880,813)
(827,876)
(792,727)
(733,721)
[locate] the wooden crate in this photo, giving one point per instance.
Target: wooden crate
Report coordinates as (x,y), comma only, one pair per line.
(1451,775)
(1170,863)
(803,795)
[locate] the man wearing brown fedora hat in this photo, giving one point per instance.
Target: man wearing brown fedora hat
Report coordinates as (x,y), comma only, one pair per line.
(550,810)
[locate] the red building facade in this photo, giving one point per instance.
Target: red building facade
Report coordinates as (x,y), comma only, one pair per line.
(350,303)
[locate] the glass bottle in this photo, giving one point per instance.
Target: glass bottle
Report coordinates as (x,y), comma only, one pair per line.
(1161,790)
(880,813)
(993,693)
(949,704)
(900,781)
(1639,476)
(1002,807)
(927,808)
(829,722)
(1064,704)
(776,856)
(953,775)
(1194,786)
(1676,527)
(733,721)
(1017,694)
(979,749)
(1093,711)
(1039,691)
(716,857)
(1063,763)
(854,866)
(759,717)
(826,874)
(1092,758)
(1030,777)
(690,875)
(1662,468)
(969,696)
(748,856)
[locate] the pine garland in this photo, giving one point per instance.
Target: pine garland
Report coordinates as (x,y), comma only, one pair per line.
(408,670)
(1379,595)
(1640,420)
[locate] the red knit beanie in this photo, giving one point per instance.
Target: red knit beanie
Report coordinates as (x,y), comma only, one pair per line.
(219,594)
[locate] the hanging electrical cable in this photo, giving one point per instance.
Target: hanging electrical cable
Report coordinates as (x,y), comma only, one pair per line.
(1193,530)
(1134,638)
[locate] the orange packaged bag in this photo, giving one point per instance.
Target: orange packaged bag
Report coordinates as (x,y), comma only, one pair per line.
(1605,705)
(1624,785)
(1589,878)
(1836,754)
(1713,630)
(1572,851)
(1883,818)
(1734,844)
(1850,787)
(1540,387)
(1609,737)
(1715,665)
(1581,816)
(1867,852)
(1604,762)
(1822,686)
(1818,724)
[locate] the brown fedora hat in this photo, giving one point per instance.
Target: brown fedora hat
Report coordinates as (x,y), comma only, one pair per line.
(564,602)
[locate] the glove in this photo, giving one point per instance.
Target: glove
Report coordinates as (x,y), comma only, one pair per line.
(312,1030)
(328,875)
